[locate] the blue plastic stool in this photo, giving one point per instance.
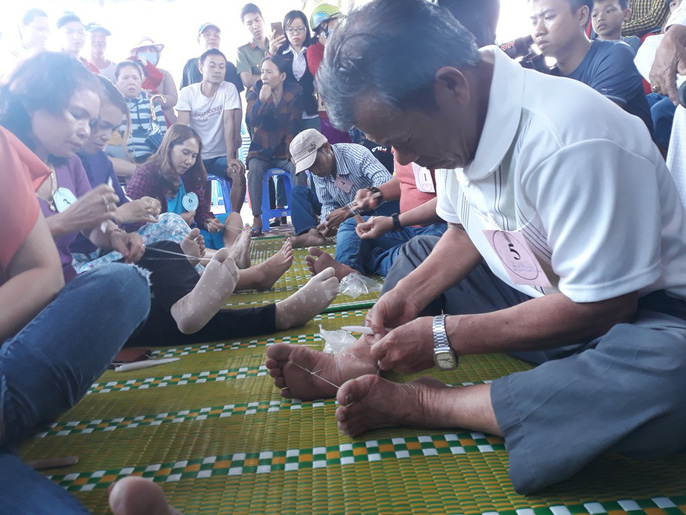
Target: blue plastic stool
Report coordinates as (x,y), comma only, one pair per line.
(226,191)
(267,211)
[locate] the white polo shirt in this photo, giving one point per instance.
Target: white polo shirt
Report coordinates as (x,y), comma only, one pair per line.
(207,115)
(581,180)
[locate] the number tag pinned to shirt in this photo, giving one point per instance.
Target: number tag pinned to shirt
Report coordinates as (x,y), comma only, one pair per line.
(517,258)
(422,179)
(190,201)
(344,184)
(63,199)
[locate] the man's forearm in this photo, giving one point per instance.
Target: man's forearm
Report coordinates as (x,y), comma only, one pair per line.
(451,260)
(540,323)
(423,214)
(391,189)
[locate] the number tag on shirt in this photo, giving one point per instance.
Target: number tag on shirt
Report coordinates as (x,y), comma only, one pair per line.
(423,180)
(344,184)
(518,259)
(63,199)
(190,201)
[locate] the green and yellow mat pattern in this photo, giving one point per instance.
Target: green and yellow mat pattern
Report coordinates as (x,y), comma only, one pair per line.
(214,432)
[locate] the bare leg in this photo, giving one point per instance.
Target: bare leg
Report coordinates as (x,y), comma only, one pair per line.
(310,300)
(139,496)
(284,362)
(240,248)
(319,260)
(194,310)
(237,195)
(232,229)
(311,237)
(371,402)
(264,275)
(193,245)
(257,222)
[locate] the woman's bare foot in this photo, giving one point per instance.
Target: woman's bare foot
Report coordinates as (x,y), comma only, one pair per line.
(194,310)
(264,275)
(372,402)
(308,301)
(308,239)
(319,260)
(240,250)
(284,362)
(193,245)
(139,496)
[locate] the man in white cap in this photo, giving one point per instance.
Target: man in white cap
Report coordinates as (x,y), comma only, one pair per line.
(338,171)
(97,39)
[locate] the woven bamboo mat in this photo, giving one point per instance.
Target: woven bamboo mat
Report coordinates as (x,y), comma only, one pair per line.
(292,280)
(214,432)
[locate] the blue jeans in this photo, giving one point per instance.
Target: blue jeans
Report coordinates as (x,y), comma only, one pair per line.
(50,364)
(380,260)
(365,256)
(305,208)
(217,166)
(662,113)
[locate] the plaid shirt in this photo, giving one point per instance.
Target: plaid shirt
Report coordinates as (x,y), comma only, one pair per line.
(146,181)
(648,16)
(273,127)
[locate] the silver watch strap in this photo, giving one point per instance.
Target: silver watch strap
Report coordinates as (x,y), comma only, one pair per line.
(439,333)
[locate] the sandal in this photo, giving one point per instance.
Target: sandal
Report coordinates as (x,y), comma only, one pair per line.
(256,232)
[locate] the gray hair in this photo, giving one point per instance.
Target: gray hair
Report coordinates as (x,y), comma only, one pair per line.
(391,49)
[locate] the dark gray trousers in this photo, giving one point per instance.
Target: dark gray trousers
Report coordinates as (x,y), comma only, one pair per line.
(623,392)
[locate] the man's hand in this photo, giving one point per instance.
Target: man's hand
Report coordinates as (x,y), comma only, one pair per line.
(365,200)
(375,227)
(265,93)
(275,42)
(393,309)
(188,216)
(213,225)
(93,208)
(235,166)
(406,349)
(336,217)
(144,209)
(129,244)
(670,59)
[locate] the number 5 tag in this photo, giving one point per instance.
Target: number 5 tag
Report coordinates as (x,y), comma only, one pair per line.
(517,257)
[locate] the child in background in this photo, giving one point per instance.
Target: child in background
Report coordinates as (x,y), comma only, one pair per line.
(607,17)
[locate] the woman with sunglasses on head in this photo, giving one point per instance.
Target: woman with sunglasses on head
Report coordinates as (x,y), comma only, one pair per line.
(55,341)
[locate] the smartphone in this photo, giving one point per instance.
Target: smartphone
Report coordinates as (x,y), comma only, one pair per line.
(277,28)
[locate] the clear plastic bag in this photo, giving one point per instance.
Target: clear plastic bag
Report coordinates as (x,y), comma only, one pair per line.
(354,285)
(336,342)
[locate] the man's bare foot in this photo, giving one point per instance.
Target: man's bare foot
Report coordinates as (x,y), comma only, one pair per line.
(372,402)
(216,284)
(310,300)
(263,276)
(319,260)
(135,495)
(193,245)
(240,250)
(308,239)
(284,362)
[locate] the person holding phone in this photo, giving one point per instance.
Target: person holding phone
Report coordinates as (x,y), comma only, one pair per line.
(292,47)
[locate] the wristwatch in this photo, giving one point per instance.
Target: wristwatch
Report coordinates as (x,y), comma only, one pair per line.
(396,222)
(444,356)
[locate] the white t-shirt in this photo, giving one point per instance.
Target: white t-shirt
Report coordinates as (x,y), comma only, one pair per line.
(582,181)
(207,115)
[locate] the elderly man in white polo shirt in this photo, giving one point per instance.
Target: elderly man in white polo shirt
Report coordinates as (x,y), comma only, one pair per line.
(566,247)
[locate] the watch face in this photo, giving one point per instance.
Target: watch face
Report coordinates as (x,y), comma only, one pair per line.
(445,360)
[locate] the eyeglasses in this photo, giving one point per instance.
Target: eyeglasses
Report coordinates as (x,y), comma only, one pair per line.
(299,30)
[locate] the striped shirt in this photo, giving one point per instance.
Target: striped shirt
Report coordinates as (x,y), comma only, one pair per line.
(647,16)
(142,125)
(354,163)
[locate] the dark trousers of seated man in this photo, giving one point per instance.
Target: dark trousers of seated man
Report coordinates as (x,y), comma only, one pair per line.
(172,279)
(623,392)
